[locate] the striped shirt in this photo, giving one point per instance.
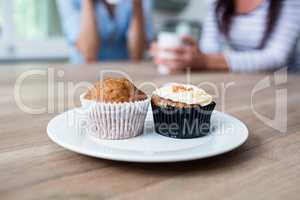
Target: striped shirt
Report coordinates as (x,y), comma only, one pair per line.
(241,50)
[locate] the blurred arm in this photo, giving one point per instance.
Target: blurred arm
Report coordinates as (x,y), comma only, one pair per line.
(136,36)
(79,26)
(88,42)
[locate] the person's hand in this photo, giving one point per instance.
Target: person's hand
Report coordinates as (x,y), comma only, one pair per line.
(186,56)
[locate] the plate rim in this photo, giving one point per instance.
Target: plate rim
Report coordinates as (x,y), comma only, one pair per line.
(140,159)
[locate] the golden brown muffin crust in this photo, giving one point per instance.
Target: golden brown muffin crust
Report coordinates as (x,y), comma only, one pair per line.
(115,90)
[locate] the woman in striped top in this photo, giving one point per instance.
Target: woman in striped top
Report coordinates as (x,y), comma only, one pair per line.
(243,35)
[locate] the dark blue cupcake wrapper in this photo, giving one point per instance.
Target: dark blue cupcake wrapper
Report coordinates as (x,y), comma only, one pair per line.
(182,123)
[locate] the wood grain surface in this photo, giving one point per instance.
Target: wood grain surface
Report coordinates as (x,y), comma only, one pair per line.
(267,166)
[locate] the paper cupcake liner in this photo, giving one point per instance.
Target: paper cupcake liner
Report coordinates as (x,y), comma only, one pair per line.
(182,122)
(116,120)
(85,103)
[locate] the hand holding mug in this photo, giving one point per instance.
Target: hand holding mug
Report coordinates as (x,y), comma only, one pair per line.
(175,55)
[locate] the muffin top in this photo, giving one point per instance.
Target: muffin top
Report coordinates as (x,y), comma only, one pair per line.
(181,95)
(115,90)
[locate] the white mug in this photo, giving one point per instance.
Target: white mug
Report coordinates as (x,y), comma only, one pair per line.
(167,40)
(113,2)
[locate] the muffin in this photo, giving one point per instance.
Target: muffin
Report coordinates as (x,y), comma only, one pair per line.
(182,111)
(115,90)
(116,109)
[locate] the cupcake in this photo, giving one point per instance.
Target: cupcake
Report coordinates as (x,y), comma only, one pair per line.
(116,109)
(182,111)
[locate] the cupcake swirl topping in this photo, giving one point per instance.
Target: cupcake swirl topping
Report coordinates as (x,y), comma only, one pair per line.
(183,93)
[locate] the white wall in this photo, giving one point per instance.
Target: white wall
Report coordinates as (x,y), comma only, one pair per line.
(196,10)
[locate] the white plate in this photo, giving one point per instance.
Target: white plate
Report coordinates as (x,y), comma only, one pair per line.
(69,131)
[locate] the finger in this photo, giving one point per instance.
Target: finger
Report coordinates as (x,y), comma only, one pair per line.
(189,41)
(164,61)
(173,71)
(176,50)
(183,53)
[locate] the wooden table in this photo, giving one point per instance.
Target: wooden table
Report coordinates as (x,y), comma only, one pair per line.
(33,167)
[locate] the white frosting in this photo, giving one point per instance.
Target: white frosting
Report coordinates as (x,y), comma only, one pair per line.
(188,94)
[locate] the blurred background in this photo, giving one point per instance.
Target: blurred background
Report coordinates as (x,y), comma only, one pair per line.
(30,30)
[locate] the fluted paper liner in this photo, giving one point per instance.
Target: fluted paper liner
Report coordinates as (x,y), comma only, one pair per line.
(182,122)
(116,120)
